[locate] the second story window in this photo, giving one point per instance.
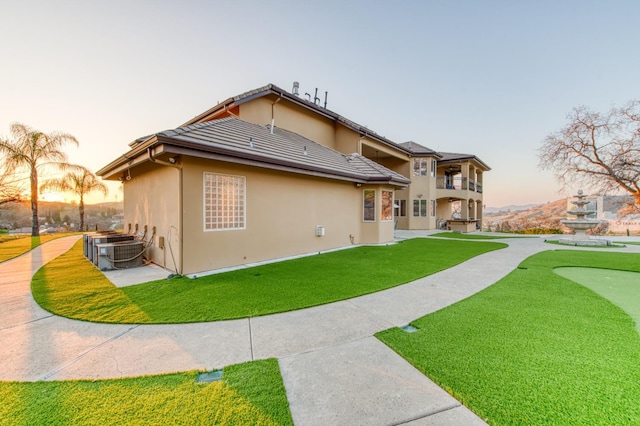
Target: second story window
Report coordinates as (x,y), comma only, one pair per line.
(434,165)
(420,167)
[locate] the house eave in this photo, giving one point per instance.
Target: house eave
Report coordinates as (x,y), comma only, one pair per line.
(164,145)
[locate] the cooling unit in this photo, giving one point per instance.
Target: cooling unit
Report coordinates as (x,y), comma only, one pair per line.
(119,255)
(102,239)
(87,240)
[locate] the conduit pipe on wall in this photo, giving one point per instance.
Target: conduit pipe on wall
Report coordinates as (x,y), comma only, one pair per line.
(273,114)
(178,166)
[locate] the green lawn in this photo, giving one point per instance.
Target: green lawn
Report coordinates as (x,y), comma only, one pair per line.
(622,288)
(535,348)
(250,393)
(12,246)
(71,287)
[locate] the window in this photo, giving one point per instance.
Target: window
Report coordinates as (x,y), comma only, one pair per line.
(401,208)
(433,168)
(420,167)
(433,208)
(420,208)
(387,205)
(369,205)
(224,202)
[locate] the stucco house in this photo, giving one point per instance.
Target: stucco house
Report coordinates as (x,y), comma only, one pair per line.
(268,174)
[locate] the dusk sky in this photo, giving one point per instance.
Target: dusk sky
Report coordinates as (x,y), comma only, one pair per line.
(490,78)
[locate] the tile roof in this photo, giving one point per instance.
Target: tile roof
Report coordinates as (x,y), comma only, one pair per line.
(417,149)
(273,89)
(236,139)
(452,156)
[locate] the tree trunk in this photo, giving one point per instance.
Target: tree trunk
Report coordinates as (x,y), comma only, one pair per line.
(81,209)
(35,227)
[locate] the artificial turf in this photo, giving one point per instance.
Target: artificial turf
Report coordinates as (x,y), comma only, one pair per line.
(620,287)
(249,393)
(71,286)
(12,246)
(534,348)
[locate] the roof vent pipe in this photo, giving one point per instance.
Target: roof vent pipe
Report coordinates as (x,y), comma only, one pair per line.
(296,86)
(273,120)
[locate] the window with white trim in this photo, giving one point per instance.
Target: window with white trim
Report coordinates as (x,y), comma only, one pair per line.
(433,208)
(369,205)
(420,167)
(224,202)
(387,205)
(401,208)
(420,208)
(434,167)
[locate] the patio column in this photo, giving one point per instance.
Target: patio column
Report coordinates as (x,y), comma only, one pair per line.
(464,209)
(464,171)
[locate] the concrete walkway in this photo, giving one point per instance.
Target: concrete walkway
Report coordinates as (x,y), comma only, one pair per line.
(334,370)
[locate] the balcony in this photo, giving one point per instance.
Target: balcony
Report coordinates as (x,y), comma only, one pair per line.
(458,183)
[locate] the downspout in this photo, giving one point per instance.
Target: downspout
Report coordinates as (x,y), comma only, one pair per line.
(177,166)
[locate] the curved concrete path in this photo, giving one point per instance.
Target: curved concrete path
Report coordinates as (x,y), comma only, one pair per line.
(334,370)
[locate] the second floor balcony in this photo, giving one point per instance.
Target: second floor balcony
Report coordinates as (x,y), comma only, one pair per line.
(457,183)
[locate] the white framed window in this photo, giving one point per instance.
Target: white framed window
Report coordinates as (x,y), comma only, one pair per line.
(433,208)
(401,208)
(387,206)
(434,167)
(420,208)
(420,166)
(224,202)
(369,205)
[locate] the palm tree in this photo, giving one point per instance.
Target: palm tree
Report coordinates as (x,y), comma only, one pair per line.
(80,182)
(30,149)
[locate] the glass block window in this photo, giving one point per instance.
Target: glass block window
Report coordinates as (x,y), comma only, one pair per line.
(224,202)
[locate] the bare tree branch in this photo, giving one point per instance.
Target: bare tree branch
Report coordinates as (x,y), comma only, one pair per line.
(600,151)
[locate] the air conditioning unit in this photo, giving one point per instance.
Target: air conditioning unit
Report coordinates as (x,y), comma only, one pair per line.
(107,238)
(87,240)
(119,255)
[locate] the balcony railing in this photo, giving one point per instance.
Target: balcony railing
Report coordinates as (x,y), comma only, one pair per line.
(458,183)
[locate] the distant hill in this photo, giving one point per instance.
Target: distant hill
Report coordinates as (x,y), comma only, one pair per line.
(118,205)
(536,216)
(58,214)
(512,208)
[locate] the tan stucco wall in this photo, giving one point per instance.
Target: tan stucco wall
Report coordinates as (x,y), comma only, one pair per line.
(152,198)
(282,211)
(290,117)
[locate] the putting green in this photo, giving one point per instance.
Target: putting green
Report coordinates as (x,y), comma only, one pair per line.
(619,287)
